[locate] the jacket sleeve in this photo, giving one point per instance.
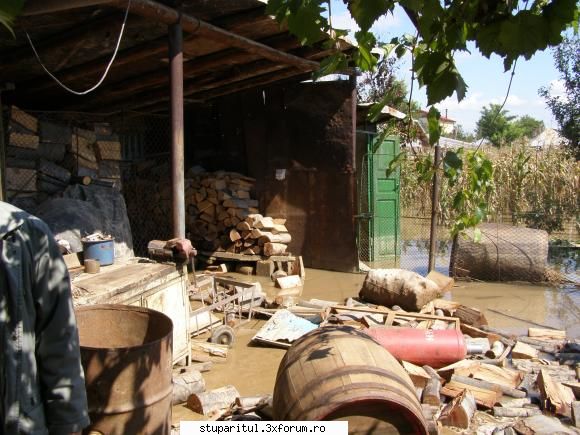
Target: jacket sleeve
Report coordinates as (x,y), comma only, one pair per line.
(57,341)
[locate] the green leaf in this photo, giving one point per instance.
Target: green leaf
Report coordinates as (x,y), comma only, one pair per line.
(395,163)
(9,10)
(365,60)
(366,12)
(476,235)
(434,126)
(307,22)
(331,64)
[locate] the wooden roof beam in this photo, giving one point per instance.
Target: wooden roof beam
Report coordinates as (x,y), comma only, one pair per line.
(159,12)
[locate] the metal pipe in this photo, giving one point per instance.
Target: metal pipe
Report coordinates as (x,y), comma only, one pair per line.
(434,208)
(177,142)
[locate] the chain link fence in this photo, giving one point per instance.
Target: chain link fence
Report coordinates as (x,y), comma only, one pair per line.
(532,214)
(49,153)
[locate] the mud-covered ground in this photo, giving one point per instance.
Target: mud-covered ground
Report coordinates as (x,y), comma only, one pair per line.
(252,368)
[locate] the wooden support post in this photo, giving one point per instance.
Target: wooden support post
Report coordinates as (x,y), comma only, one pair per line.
(434,206)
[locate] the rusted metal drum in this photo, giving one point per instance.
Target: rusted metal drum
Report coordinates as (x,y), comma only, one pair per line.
(435,348)
(340,373)
(126,353)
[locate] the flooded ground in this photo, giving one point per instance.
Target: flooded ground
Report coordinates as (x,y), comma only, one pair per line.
(513,307)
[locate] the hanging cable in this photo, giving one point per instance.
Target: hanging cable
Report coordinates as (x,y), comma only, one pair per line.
(102,79)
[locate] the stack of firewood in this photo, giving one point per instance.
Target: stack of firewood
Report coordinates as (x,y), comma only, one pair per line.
(257,234)
(43,157)
(223,216)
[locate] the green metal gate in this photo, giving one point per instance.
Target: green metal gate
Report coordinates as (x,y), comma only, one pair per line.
(379,205)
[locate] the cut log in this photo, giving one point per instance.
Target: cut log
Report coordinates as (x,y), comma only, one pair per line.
(243,226)
(431,394)
(459,411)
(24,119)
(524,351)
(483,397)
(512,392)
(274,238)
(109,150)
(486,372)
(271,249)
(515,412)
(470,316)
(279,221)
(286,282)
(497,349)
(417,374)
(24,140)
(541,333)
(443,281)
(240,203)
(185,384)
(211,348)
(266,223)
(404,288)
(554,396)
(234,235)
(214,400)
(253,219)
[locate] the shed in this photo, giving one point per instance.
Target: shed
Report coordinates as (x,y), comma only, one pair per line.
(246,105)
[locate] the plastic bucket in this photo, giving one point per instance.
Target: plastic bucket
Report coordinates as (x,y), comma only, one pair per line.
(101,250)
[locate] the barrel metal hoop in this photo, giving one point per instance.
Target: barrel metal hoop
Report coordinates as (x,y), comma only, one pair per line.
(345,371)
(286,362)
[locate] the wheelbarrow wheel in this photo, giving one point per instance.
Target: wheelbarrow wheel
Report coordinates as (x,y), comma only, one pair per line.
(223,335)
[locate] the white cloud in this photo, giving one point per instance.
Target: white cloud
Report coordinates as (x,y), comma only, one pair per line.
(380,28)
(512,101)
(558,89)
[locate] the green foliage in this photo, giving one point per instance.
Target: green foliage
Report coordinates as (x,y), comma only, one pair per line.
(461,134)
(496,126)
(528,187)
(529,127)
(443,28)
(9,10)
(433,124)
(566,109)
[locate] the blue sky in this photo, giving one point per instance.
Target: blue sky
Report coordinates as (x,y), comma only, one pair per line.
(486,78)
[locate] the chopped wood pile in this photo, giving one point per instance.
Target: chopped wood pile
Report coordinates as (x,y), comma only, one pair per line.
(222,216)
(44,157)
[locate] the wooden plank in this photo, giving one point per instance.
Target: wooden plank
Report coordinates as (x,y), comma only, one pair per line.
(524,351)
(471,316)
(478,333)
(483,397)
(417,374)
(487,372)
(20,180)
(291,281)
(109,150)
(542,333)
(459,411)
(555,397)
(508,391)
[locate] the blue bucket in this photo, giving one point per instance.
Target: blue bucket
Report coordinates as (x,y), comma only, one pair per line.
(101,250)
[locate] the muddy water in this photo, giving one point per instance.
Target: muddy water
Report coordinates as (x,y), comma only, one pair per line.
(513,307)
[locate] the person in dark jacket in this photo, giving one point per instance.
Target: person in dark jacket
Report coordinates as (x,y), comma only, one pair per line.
(42,386)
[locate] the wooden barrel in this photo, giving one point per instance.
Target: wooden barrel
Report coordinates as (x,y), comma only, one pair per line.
(504,253)
(340,373)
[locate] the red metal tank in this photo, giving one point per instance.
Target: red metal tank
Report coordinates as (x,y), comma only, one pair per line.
(435,348)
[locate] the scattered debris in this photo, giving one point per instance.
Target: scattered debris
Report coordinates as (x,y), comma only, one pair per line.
(283,328)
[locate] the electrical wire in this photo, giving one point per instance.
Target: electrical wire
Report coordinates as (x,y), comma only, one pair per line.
(102,79)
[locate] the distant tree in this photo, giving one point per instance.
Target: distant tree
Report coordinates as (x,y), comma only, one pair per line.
(463,135)
(496,126)
(383,84)
(529,127)
(566,108)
